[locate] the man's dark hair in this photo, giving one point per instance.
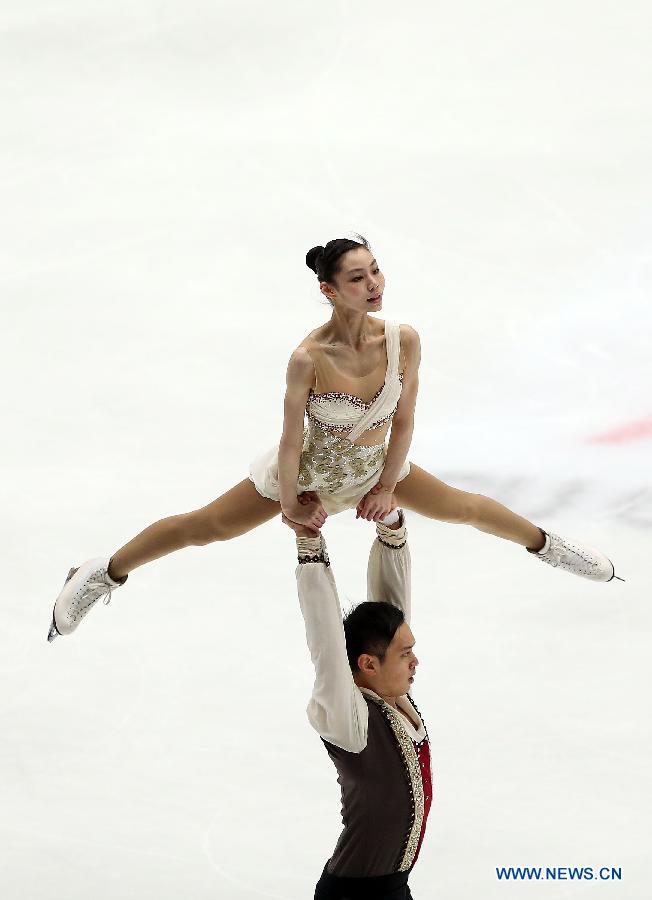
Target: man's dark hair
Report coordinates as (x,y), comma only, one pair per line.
(370,628)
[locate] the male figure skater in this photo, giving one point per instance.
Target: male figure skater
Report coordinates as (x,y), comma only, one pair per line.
(362,709)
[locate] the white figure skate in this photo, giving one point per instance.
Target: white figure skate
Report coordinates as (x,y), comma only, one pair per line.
(82,589)
(577,558)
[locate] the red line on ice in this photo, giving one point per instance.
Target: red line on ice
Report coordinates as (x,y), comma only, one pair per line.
(632,432)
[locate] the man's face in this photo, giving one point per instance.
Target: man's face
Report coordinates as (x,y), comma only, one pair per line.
(394,676)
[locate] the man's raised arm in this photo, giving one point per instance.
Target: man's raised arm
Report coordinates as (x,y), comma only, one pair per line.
(337,709)
(389,571)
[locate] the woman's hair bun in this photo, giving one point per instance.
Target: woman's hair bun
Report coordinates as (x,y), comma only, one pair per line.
(312,256)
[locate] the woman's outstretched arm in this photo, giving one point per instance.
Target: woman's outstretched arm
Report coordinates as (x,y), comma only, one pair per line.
(403,421)
(375,505)
(298,383)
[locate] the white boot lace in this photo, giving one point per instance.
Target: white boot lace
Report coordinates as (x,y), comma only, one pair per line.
(554,555)
(95,590)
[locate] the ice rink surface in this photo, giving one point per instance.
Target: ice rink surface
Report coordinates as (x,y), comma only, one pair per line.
(165,168)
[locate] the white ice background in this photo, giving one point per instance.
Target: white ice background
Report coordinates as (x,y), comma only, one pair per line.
(164,169)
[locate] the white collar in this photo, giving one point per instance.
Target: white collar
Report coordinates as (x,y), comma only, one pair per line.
(416,734)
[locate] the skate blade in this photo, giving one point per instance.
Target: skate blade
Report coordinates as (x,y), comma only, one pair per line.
(614,576)
(54,631)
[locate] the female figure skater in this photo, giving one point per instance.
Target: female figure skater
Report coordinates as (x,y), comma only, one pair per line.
(354,377)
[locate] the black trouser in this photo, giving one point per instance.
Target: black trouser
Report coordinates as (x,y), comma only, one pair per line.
(382,887)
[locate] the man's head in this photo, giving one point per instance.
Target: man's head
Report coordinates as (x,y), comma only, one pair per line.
(380,647)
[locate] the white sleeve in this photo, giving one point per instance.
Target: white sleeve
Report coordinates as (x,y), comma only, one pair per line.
(389,571)
(337,708)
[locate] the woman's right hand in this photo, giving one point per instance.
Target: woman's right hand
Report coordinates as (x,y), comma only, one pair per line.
(307,511)
(299,530)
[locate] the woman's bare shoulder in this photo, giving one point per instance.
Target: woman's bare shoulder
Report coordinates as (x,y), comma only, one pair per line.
(313,344)
(300,359)
(301,366)
(409,335)
(410,348)
(316,337)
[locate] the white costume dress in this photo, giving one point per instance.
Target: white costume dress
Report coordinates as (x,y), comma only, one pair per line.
(340,471)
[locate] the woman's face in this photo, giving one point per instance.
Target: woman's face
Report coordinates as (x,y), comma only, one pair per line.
(358,280)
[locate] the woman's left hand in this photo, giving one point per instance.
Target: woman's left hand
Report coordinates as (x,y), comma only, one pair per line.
(376,504)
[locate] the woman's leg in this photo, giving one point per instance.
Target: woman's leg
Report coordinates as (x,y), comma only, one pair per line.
(423,493)
(234,513)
